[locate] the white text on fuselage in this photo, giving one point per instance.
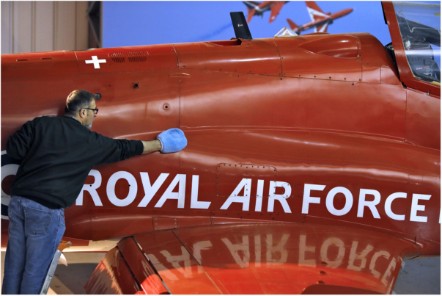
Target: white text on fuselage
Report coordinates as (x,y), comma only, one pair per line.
(365,203)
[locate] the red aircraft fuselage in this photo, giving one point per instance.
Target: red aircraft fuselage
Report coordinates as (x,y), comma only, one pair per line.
(283,129)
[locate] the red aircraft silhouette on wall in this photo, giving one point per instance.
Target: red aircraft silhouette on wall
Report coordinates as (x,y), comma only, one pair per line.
(258,8)
(319,20)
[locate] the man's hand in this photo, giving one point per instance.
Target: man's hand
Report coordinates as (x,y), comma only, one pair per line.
(172,140)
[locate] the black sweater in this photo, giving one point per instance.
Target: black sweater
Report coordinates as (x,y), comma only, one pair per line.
(56,155)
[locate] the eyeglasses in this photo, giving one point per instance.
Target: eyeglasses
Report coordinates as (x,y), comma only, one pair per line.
(95,110)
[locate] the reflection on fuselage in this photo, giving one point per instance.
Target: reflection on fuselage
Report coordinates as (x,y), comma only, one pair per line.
(374,257)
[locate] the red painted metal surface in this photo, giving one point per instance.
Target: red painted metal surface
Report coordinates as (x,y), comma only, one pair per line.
(274,258)
(316,131)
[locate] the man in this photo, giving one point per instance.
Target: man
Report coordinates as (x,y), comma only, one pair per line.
(56,155)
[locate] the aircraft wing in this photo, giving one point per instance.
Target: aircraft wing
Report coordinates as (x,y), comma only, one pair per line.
(315,12)
(250,14)
(256,258)
(319,19)
(275,9)
(251,9)
(322,27)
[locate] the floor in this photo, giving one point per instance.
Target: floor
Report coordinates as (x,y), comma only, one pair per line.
(72,278)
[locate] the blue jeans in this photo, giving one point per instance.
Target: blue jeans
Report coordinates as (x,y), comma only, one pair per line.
(35,232)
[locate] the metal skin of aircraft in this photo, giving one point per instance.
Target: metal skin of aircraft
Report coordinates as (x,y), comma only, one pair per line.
(312,165)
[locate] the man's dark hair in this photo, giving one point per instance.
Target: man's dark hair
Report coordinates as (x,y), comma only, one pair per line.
(79,99)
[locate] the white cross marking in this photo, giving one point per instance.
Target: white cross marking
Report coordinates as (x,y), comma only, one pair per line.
(94,60)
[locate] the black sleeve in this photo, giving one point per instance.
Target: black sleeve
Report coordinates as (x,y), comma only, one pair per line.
(20,142)
(129,148)
(117,149)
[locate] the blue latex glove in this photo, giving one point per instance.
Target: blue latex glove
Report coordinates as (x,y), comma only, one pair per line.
(172,140)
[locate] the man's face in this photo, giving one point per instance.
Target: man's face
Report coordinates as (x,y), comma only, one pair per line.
(91,113)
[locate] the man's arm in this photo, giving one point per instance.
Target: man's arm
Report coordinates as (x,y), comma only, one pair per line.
(19,143)
(151,146)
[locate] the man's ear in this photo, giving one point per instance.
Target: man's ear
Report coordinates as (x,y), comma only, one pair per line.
(82,113)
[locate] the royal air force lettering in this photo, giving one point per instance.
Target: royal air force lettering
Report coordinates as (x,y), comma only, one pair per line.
(366,201)
(150,189)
